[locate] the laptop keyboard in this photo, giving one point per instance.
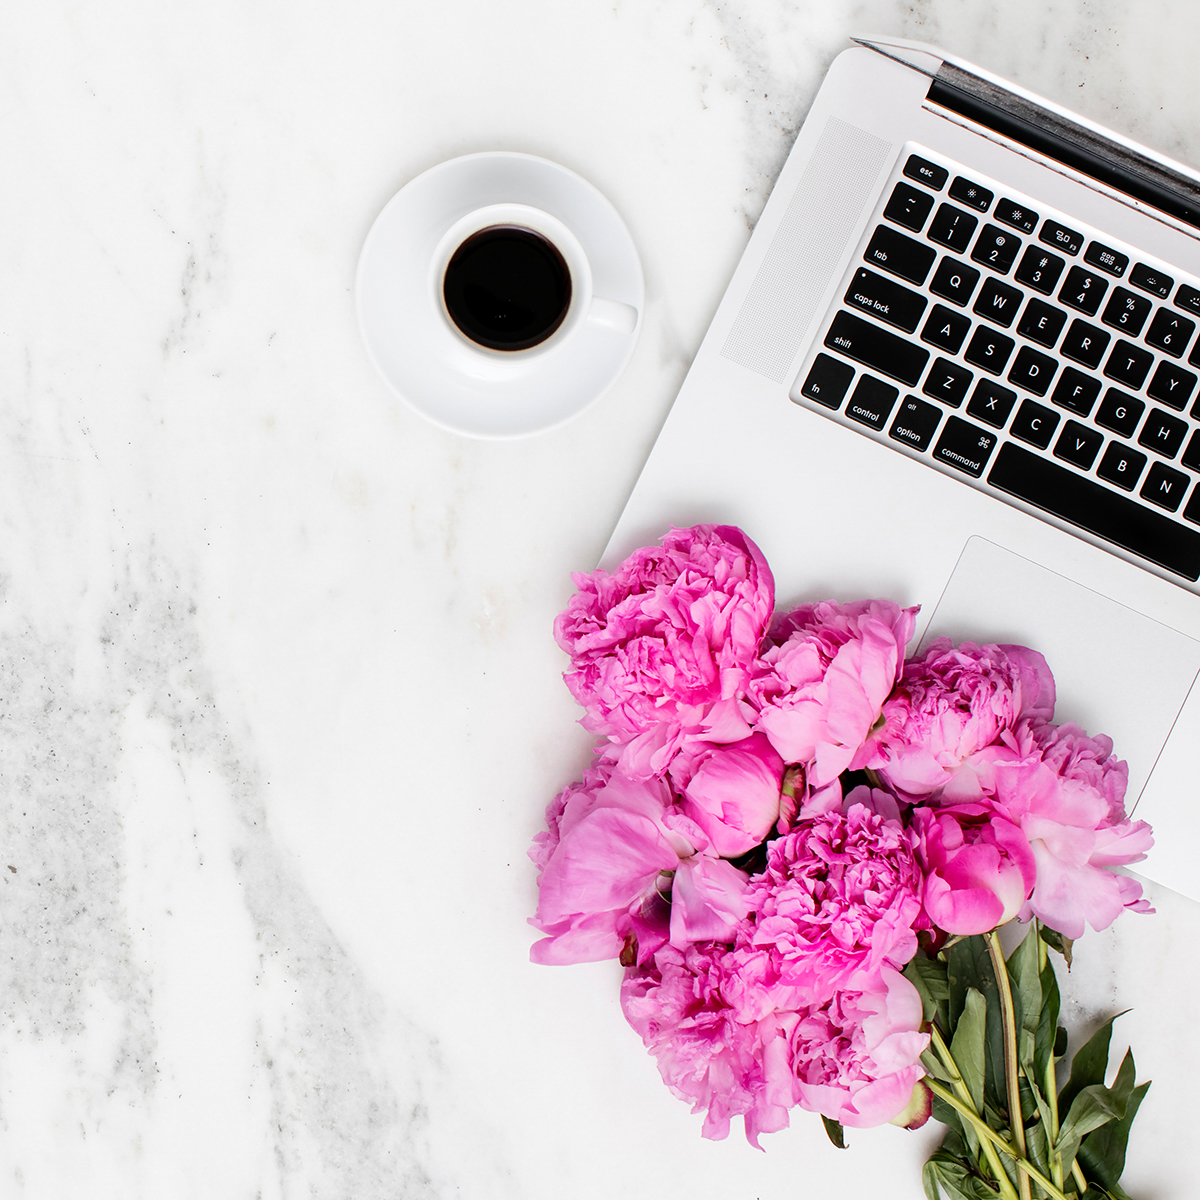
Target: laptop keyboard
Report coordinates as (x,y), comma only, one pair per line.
(1025,352)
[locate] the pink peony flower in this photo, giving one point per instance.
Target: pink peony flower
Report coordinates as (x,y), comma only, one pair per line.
(705,1055)
(855,1058)
(656,645)
(951,704)
(979,868)
(819,689)
(834,907)
(731,792)
(1069,803)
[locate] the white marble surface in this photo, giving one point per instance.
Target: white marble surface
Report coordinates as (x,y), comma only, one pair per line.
(280,707)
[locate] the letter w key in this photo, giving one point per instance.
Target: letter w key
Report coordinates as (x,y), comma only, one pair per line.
(998,302)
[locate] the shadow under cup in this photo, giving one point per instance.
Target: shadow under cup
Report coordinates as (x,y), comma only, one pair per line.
(507,287)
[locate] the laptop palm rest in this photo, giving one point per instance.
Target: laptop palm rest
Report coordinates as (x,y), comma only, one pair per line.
(1116,671)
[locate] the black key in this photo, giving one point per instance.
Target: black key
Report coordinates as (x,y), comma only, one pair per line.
(1106,258)
(989,350)
(1163,433)
(1172,385)
(876,348)
(1085,343)
(996,248)
(965,447)
(1187,297)
(1192,512)
(1169,332)
(1129,364)
(945,329)
(1033,370)
(908,206)
(1034,424)
(1119,412)
(1016,215)
(923,171)
(1039,270)
(1126,312)
(886,300)
(1083,290)
(1191,456)
(915,423)
(900,255)
(1081,501)
(1150,280)
(952,227)
(954,281)
(827,382)
(1121,466)
(991,403)
(1076,391)
(970,194)
(872,402)
(948,382)
(1077,444)
(1061,238)
(1041,322)
(1164,486)
(998,302)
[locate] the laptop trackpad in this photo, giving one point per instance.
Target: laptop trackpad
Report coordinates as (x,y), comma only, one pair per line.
(1116,671)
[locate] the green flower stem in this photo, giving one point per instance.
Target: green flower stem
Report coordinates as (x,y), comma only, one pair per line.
(986,1131)
(1079,1179)
(943,1052)
(1016,1119)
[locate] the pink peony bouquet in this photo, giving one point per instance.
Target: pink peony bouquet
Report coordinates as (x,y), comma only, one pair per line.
(800,846)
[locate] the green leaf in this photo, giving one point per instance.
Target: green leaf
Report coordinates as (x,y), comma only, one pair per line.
(1096,1105)
(968,1048)
(928,976)
(837,1135)
(1089,1065)
(1047,1026)
(1057,941)
(1024,970)
(970,966)
(1102,1154)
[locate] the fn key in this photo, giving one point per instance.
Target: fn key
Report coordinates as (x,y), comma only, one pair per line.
(827,381)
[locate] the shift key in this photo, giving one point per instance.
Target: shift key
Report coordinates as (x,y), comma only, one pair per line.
(886,300)
(876,348)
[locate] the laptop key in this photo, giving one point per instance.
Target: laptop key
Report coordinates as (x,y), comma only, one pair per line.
(872,402)
(1188,297)
(1083,290)
(1169,332)
(1119,412)
(1039,270)
(1129,364)
(1061,238)
(1165,487)
(1191,456)
(1163,433)
(945,329)
(1078,445)
(1089,505)
(996,248)
(1041,322)
(1126,312)
(1076,391)
(923,171)
(828,381)
(1035,424)
(964,446)
(998,302)
(1106,258)
(1033,371)
(876,348)
(989,350)
(886,300)
(1172,385)
(1152,281)
(899,255)
(1192,512)
(948,382)
(908,206)
(1085,343)
(1121,466)
(952,228)
(991,403)
(954,281)
(1016,215)
(915,423)
(970,194)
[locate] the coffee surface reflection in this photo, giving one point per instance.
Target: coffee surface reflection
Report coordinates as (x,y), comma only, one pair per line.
(507,288)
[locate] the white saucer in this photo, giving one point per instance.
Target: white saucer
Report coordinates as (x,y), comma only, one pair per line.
(425,362)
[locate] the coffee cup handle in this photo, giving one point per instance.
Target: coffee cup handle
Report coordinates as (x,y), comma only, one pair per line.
(612,314)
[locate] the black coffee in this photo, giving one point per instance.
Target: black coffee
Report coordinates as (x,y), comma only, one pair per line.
(507,288)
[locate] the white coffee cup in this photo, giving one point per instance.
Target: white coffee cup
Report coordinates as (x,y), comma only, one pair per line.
(584,308)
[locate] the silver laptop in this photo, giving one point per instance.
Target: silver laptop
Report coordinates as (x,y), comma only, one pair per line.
(958,366)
